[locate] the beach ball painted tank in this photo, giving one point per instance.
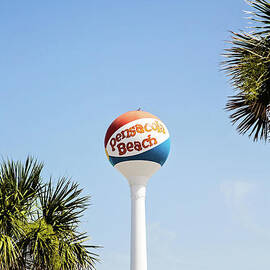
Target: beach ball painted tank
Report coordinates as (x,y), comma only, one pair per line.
(137,143)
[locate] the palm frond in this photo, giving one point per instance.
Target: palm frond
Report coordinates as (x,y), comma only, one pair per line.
(248,66)
(261,16)
(75,254)
(39,245)
(19,184)
(39,223)
(10,257)
(62,206)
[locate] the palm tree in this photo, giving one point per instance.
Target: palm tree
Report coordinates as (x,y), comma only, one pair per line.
(248,66)
(19,185)
(39,223)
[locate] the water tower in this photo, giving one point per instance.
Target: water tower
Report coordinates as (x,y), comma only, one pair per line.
(137,144)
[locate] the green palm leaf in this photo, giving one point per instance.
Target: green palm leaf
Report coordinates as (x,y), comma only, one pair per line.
(260,16)
(62,207)
(10,257)
(19,185)
(75,254)
(247,64)
(39,223)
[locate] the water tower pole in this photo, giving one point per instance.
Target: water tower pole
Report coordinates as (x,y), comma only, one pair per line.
(138,250)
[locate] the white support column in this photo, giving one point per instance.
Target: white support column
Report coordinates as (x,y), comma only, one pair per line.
(138,172)
(138,228)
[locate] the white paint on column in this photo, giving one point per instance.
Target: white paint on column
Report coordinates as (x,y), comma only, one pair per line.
(138,229)
(138,172)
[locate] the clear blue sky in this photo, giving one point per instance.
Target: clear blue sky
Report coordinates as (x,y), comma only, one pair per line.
(68,68)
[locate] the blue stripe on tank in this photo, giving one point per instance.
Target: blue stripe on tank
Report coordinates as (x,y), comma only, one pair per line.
(158,154)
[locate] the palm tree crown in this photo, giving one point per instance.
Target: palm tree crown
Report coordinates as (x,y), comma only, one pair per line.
(247,64)
(39,223)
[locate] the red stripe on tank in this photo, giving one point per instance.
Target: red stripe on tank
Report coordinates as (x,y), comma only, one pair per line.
(123,119)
